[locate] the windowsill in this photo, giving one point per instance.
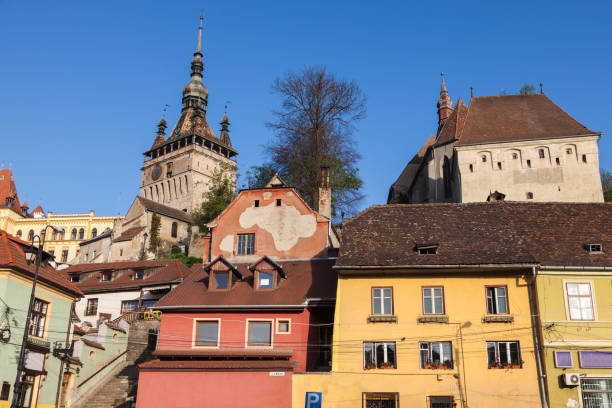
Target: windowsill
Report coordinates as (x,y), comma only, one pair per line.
(432,367)
(379,368)
(498,319)
(382,319)
(507,367)
(433,319)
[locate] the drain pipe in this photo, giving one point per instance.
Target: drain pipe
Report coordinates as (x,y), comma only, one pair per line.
(536,337)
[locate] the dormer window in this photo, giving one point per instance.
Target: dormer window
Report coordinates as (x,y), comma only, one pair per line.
(265,279)
(106,276)
(74,278)
(138,275)
(594,248)
(427,249)
(221,280)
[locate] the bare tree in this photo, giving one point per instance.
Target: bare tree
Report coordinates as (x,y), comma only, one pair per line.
(314,128)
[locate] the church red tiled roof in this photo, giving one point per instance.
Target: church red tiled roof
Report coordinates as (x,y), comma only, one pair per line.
(12,256)
(8,189)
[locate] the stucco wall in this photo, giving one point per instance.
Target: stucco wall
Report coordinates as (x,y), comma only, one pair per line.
(107,303)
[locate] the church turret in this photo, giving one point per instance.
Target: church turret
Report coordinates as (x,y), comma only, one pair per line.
(161,130)
(195,94)
(225,139)
(445,105)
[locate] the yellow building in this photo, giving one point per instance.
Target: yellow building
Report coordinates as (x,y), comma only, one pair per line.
(575,301)
(17,220)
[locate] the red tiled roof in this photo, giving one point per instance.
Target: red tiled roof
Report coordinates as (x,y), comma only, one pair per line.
(38,209)
(8,188)
(454,124)
(155,272)
(516,117)
(305,279)
(129,234)
(164,209)
(265,365)
(12,256)
(224,353)
(552,234)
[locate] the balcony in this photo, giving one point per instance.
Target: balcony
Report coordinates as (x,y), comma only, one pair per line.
(38,344)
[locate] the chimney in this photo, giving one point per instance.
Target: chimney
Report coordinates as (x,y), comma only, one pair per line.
(325,193)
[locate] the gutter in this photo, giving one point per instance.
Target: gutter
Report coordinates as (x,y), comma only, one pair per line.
(576,268)
(532,290)
(597,134)
(449,266)
(181,307)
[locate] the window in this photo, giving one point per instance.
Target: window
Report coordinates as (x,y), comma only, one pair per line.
(30,235)
(503,354)
(471,168)
(579,301)
(207,333)
(246,244)
(54,235)
(265,279)
(174,231)
(563,359)
(497,300)
(220,280)
(584,159)
(256,203)
(81,233)
(284,326)
(106,276)
(128,306)
(38,318)
(529,195)
(94,233)
(557,161)
(568,151)
(73,233)
(74,278)
(441,402)
(529,163)
(382,301)
(115,338)
(169,170)
(427,250)
(65,255)
(6,389)
(596,392)
(92,355)
(19,234)
(433,300)
(260,334)
(484,158)
(514,156)
(380,400)
(499,165)
(278,202)
(541,154)
(92,307)
(52,252)
(379,355)
(138,275)
(594,248)
(436,354)
(149,302)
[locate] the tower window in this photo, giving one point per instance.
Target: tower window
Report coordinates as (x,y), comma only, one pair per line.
(514,156)
(499,165)
(529,163)
(568,151)
(584,159)
(256,203)
(557,161)
(530,196)
(278,202)
(174,231)
(169,170)
(541,153)
(484,158)
(471,168)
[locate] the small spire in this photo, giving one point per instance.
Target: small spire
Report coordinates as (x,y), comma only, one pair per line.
(225,139)
(445,104)
(199,46)
(541,88)
(443,84)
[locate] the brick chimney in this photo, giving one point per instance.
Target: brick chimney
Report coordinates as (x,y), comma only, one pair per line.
(325,194)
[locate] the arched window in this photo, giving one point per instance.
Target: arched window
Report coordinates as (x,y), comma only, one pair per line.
(81,233)
(174,229)
(73,233)
(19,234)
(94,232)
(31,235)
(54,235)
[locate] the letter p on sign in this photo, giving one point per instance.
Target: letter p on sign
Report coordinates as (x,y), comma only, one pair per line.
(313,400)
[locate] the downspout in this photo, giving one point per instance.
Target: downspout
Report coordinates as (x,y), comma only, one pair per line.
(536,337)
(61,370)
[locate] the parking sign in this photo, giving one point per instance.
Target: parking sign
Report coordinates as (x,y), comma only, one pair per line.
(313,400)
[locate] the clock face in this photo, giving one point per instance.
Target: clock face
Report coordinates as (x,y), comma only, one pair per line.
(157,171)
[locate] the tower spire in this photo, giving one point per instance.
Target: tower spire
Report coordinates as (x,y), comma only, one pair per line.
(225,139)
(445,104)
(195,94)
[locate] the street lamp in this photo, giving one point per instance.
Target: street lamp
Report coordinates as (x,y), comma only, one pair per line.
(32,254)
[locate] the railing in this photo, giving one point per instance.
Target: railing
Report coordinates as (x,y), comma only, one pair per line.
(39,343)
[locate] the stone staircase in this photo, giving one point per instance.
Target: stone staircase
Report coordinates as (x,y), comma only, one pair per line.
(118,392)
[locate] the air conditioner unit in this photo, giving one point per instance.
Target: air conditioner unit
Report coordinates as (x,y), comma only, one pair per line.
(571,379)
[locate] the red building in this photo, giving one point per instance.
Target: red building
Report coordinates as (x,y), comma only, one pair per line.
(236,329)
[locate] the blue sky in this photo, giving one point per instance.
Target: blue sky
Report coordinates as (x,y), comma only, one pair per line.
(82,84)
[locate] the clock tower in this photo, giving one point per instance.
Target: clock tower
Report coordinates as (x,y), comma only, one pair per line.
(178,170)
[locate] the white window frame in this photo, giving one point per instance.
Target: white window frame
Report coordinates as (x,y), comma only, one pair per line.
(566,299)
(382,300)
(278,320)
(507,346)
(194,336)
(589,376)
(496,299)
(429,350)
(571,359)
(386,358)
(433,297)
(246,333)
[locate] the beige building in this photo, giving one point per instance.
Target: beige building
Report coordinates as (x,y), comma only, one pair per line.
(522,146)
(16,219)
(177,171)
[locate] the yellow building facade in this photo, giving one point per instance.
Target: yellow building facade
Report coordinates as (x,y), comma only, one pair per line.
(77,228)
(576,312)
(440,343)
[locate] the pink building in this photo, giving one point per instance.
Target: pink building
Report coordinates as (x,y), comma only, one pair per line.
(237,328)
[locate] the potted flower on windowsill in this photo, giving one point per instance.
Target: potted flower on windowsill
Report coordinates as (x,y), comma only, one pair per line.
(495,364)
(387,366)
(446,365)
(369,366)
(516,364)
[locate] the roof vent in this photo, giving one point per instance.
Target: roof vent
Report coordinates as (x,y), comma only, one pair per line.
(430,249)
(594,248)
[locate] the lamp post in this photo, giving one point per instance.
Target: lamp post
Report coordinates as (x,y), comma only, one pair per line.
(32,254)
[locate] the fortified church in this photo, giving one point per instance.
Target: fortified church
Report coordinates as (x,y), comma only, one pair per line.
(176,174)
